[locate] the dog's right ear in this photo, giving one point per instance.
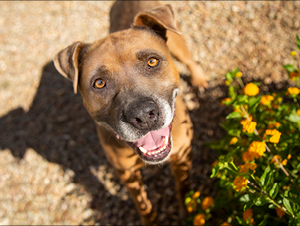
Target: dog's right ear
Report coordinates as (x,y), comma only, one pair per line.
(159,19)
(66,62)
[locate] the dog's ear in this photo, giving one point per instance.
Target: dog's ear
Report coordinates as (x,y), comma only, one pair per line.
(66,62)
(159,19)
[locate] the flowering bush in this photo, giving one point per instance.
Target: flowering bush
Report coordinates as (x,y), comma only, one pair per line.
(259,160)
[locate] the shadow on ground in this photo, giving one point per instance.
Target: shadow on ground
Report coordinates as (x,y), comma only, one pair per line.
(58,128)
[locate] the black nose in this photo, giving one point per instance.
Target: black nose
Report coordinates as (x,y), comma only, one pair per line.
(142,115)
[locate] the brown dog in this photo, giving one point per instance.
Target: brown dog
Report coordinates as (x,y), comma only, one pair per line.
(129,84)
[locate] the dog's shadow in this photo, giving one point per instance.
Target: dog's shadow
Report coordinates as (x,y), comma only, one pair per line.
(59,128)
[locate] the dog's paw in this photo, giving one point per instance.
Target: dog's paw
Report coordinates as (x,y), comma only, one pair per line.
(150,219)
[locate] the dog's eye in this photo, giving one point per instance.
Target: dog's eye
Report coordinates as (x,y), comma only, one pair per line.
(152,62)
(99,84)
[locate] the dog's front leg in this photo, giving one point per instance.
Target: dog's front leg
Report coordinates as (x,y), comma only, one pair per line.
(134,184)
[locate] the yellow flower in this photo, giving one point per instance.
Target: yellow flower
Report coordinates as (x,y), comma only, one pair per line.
(275,135)
(189,209)
(225,224)
(278,157)
(227,82)
(255,150)
(248,125)
(279,212)
(245,168)
(196,195)
(239,74)
(247,216)
(207,202)
(293,91)
(240,183)
(225,101)
(293,53)
(233,140)
(294,75)
(266,99)
(289,156)
(298,112)
(284,162)
(214,163)
(191,206)
(251,89)
(279,99)
(239,109)
(273,125)
(247,157)
(199,219)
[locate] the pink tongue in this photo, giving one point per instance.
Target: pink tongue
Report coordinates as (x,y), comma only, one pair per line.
(153,139)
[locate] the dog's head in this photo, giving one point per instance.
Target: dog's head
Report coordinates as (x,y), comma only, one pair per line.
(129,83)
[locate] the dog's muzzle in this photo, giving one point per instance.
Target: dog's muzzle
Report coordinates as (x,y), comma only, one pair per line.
(155,145)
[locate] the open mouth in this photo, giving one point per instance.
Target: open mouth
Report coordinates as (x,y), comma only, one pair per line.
(155,147)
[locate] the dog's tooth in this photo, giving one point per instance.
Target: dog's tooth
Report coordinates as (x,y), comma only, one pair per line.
(143,150)
(166,140)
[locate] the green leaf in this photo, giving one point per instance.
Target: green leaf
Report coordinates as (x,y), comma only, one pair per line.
(287,205)
(232,166)
(266,177)
(248,200)
(293,117)
(264,221)
(274,190)
(235,71)
(231,153)
(245,198)
(231,92)
(187,200)
(233,114)
(248,205)
(298,42)
(215,171)
(229,76)
(295,200)
(289,67)
(242,99)
(261,200)
(234,132)
(253,103)
(239,220)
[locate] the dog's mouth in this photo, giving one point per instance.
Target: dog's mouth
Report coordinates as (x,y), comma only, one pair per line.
(155,147)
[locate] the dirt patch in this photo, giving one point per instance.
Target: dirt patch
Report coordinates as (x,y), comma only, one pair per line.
(52,169)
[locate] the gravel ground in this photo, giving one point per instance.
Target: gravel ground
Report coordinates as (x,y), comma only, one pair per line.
(52,170)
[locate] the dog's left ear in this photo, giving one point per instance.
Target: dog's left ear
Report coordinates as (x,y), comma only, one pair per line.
(66,62)
(159,19)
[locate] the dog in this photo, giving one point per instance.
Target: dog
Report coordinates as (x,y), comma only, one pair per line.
(129,85)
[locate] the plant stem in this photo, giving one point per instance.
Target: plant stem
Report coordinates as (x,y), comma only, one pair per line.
(268,149)
(278,162)
(241,83)
(271,199)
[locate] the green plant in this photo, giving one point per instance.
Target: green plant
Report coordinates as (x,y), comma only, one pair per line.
(259,158)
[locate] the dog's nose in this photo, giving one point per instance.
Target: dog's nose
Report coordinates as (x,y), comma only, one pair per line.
(142,115)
